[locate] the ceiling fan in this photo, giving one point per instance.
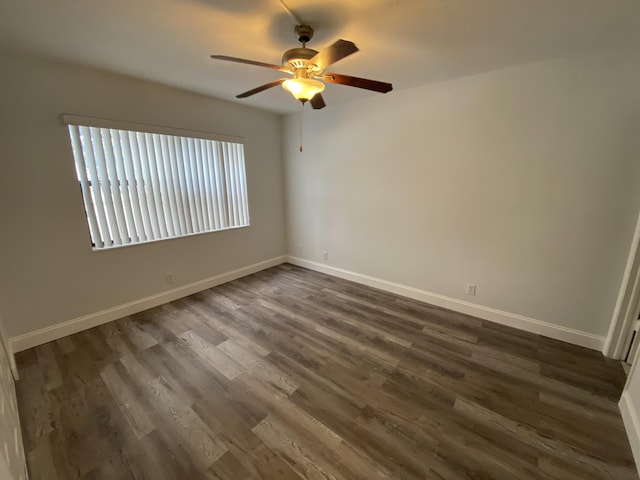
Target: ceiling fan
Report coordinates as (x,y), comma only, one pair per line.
(306,66)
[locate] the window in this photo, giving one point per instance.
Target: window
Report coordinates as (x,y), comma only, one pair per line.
(142,186)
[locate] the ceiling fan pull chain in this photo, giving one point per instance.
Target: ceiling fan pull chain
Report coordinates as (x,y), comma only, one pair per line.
(301,122)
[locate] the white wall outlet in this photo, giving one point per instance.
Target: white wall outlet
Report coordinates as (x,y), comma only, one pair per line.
(471,288)
(325,255)
(168,277)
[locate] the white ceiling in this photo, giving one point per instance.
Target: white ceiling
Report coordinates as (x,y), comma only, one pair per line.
(405,42)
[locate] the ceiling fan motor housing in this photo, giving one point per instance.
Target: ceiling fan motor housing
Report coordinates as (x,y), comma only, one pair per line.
(296,58)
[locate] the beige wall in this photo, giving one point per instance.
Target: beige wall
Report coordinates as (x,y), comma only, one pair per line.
(49,273)
(523,181)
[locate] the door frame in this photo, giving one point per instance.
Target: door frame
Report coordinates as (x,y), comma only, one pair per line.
(628,304)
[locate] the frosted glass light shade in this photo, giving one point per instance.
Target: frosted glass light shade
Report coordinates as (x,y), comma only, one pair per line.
(303,89)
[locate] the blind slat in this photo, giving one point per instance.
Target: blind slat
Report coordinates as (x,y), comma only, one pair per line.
(125,186)
(206,225)
(206,178)
(131,179)
(193,170)
(242,185)
(186,164)
(161,176)
(170,183)
(158,198)
(117,182)
(134,150)
(238,179)
(149,194)
(212,186)
(180,186)
(228,168)
(222,186)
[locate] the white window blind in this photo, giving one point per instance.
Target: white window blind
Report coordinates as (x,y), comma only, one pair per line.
(140,186)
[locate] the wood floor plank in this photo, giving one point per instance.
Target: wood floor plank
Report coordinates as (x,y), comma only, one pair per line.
(211,355)
(135,412)
(308,460)
(195,435)
(293,374)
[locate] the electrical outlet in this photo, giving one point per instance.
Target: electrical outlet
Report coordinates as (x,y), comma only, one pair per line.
(169,278)
(325,255)
(471,288)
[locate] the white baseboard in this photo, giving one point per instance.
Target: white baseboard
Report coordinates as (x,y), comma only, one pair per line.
(631,424)
(515,320)
(54,332)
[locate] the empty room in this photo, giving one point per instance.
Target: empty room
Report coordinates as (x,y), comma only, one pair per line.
(291,239)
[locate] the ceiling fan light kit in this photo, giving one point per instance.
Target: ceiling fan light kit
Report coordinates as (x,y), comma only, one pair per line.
(303,89)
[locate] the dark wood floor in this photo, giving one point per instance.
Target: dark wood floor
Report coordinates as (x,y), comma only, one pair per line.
(291,374)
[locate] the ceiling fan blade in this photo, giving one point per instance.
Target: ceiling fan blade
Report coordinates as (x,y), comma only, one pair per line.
(333,53)
(226,58)
(317,102)
(261,88)
(367,84)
